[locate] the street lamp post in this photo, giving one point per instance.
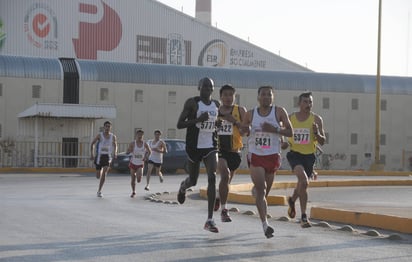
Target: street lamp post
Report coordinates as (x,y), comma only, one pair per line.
(376,166)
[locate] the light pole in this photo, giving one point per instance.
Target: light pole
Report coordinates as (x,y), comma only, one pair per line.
(376,166)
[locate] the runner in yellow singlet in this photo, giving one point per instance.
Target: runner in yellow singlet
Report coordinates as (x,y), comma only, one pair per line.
(307,133)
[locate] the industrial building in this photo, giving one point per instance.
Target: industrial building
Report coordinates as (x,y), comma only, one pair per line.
(67,66)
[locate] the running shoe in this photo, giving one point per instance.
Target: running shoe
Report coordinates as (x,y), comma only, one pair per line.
(269,232)
(211,226)
(161,178)
(225,216)
(133,194)
(304,222)
(291,210)
(99,194)
(181,196)
(217,204)
(146,188)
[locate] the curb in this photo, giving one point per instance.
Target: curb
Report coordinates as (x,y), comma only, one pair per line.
(394,223)
(241,193)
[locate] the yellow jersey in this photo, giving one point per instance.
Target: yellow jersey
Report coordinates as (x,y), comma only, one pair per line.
(229,135)
(303,140)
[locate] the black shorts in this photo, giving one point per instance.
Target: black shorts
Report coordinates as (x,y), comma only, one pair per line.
(154,164)
(104,161)
(307,161)
(197,155)
(233,159)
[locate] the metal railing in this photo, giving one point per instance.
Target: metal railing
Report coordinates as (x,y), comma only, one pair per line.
(49,154)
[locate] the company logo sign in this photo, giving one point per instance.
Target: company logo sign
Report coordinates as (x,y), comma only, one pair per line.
(40,26)
(2,34)
(214,54)
(100,29)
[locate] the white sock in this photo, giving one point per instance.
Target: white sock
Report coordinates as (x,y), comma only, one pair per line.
(224,206)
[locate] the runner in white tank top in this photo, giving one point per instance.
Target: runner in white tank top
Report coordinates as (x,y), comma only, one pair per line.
(264,148)
(158,147)
(140,153)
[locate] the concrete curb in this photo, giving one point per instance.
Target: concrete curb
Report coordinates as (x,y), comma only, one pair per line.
(388,222)
(242,194)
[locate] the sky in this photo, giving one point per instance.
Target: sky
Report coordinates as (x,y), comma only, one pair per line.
(334,36)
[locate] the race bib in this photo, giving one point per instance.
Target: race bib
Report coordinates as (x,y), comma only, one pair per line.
(206,126)
(263,140)
(301,136)
(138,156)
(226,129)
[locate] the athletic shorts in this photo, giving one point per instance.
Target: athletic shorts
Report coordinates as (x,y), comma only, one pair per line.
(197,155)
(233,159)
(154,164)
(104,161)
(270,163)
(134,167)
(307,161)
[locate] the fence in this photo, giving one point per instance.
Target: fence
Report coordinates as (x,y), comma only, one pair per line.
(49,154)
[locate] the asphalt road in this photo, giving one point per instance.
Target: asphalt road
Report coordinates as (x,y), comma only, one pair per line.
(57,217)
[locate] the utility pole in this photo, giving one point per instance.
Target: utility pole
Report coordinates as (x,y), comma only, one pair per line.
(377,165)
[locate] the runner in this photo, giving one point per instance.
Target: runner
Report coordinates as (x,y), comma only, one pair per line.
(140,152)
(106,144)
(267,124)
(199,116)
(158,147)
(230,145)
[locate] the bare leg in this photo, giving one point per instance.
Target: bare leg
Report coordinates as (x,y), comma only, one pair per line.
(211,166)
(258,178)
(103,173)
(301,188)
(224,180)
(148,174)
(133,180)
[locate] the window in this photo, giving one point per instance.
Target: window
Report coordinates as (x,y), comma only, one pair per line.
(295,101)
(171,98)
(382,139)
(325,103)
(353,139)
(383,105)
(171,133)
(138,95)
(35,91)
(104,94)
(355,104)
(353,160)
(1,89)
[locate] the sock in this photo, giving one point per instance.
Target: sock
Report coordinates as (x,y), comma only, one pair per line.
(224,206)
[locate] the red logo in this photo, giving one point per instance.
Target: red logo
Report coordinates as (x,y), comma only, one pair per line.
(41,25)
(104,35)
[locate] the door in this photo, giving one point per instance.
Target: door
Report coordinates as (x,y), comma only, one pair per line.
(70,151)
